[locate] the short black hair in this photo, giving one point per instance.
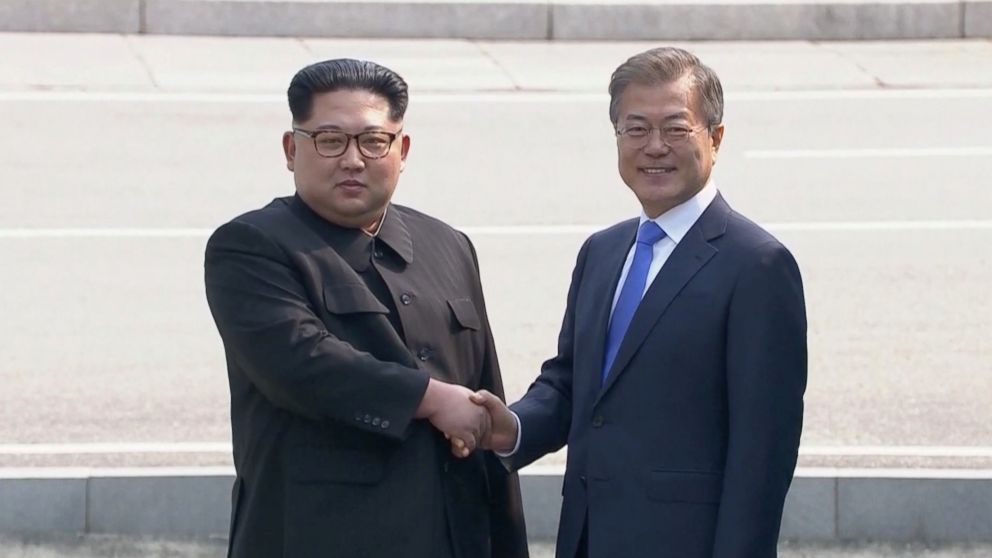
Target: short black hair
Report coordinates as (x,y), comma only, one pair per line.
(343,74)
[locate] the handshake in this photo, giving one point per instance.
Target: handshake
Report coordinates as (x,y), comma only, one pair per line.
(468,419)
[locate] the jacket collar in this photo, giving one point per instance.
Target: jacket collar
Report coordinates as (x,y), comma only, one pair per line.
(354,245)
(690,255)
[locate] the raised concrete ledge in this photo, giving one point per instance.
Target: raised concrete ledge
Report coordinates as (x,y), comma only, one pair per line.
(43,505)
(346,19)
(759,20)
(662,20)
(915,510)
(823,504)
(977,19)
(77,16)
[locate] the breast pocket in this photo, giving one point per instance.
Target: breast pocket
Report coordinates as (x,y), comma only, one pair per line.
(464,313)
(460,353)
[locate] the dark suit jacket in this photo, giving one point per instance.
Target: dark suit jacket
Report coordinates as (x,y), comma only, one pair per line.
(689,448)
(330,461)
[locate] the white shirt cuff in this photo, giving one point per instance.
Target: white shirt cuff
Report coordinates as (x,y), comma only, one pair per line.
(516,446)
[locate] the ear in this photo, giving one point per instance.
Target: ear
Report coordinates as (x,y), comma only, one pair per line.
(716,137)
(404,150)
(289,149)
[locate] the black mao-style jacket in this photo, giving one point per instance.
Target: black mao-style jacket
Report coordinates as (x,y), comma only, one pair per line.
(330,337)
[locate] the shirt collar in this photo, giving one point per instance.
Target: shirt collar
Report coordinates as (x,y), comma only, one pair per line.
(378,226)
(677,221)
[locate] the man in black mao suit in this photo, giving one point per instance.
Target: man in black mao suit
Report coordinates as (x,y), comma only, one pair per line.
(678,384)
(355,332)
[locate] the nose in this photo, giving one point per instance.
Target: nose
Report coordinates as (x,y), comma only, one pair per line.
(351,159)
(656,146)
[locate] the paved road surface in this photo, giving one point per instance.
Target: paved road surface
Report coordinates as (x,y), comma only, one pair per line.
(119,155)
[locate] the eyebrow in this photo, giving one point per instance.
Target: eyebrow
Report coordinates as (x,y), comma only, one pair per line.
(681,115)
(335,127)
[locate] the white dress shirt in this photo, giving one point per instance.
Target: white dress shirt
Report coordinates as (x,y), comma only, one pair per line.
(676,222)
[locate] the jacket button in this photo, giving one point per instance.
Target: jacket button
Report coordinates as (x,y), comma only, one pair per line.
(377,253)
(367,419)
(406,299)
(384,424)
(597,421)
(376,421)
(424,354)
(358,416)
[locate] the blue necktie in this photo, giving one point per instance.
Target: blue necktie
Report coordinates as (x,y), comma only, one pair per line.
(632,291)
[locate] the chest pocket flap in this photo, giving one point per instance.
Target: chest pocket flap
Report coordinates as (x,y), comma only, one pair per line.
(352,299)
(465,313)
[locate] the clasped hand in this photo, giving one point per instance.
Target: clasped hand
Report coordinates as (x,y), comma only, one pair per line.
(469,420)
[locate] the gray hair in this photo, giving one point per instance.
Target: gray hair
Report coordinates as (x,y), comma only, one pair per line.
(665,65)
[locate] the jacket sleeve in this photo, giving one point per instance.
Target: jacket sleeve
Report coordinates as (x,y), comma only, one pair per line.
(508,531)
(272,332)
(545,411)
(766,379)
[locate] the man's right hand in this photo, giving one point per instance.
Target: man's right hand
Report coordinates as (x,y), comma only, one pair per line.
(449,409)
(502,435)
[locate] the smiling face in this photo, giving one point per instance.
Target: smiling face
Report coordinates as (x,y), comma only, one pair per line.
(350,190)
(663,176)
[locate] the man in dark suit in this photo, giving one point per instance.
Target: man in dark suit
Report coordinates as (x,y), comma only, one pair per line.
(678,384)
(355,331)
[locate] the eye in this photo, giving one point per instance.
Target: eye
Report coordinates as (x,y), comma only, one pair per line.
(636,131)
(677,132)
(331,140)
(374,140)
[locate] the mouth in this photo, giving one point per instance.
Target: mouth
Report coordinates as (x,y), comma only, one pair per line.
(655,171)
(350,184)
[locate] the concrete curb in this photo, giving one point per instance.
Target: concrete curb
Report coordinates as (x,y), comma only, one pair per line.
(513,19)
(828,505)
(977,18)
(79,16)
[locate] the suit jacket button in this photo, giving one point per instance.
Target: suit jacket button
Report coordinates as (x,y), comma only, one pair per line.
(424,354)
(377,253)
(406,299)
(358,416)
(376,421)
(367,419)
(597,421)
(384,424)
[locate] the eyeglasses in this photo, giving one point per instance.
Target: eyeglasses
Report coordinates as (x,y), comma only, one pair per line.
(331,143)
(637,136)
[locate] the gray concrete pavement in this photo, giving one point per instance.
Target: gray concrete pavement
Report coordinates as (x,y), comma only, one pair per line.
(125,547)
(900,354)
(67,62)
(869,160)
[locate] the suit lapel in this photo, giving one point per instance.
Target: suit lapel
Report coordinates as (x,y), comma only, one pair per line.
(691,254)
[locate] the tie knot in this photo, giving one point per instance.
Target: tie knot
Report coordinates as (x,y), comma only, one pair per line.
(649,233)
